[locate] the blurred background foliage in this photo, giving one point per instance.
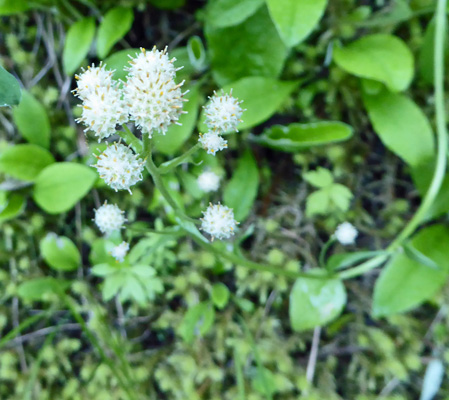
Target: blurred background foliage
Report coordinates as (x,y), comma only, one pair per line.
(216,332)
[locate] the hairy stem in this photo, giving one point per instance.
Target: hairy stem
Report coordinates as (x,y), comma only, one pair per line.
(169,165)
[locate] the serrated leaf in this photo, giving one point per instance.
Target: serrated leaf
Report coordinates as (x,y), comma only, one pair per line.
(319,178)
(61,185)
(77,44)
(32,121)
(114,26)
(295,19)
(382,57)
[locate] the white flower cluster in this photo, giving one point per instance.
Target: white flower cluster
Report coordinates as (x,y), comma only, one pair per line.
(119,252)
(346,233)
(119,167)
(218,221)
(208,181)
(222,115)
(109,218)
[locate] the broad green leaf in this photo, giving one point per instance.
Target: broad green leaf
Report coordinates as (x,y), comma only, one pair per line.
(220,295)
(401,125)
(9,7)
(25,161)
(222,13)
(241,191)
(197,320)
(295,19)
(61,185)
(406,283)
(77,44)
(119,60)
(315,302)
(319,178)
(37,289)
(296,137)
(32,121)
(14,206)
(114,26)
(177,135)
(384,58)
(60,253)
(261,98)
(10,92)
(252,48)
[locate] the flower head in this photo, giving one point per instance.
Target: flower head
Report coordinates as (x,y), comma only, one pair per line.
(218,221)
(346,233)
(153,97)
(208,181)
(223,113)
(91,79)
(119,167)
(212,142)
(119,252)
(109,218)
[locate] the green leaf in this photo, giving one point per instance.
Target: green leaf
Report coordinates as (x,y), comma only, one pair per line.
(10,92)
(9,7)
(296,137)
(60,253)
(114,26)
(319,178)
(37,289)
(384,58)
(77,44)
(222,13)
(261,98)
(345,260)
(177,135)
(113,283)
(118,61)
(25,161)
(220,295)
(317,203)
(329,199)
(32,121)
(61,185)
(260,50)
(295,19)
(196,53)
(241,191)
(406,283)
(198,320)
(315,302)
(401,125)
(13,207)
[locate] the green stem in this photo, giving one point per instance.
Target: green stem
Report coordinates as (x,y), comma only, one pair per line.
(169,165)
(442,144)
(324,250)
(130,139)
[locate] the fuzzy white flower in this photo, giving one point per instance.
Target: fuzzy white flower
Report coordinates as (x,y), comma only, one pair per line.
(91,79)
(109,218)
(119,252)
(223,113)
(153,97)
(218,221)
(346,233)
(119,167)
(208,181)
(212,142)
(103,110)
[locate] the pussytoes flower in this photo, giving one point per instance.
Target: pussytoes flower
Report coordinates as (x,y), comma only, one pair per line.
(223,113)
(208,181)
(153,98)
(212,142)
(109,218)
(119,252)
(91,79)
(119,167)
(218,221)
(346,233)
(103,110)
